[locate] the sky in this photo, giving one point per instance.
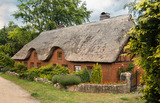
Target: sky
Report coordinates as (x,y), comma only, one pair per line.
(114,7)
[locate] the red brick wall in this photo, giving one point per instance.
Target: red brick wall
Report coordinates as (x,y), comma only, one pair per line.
(109,70)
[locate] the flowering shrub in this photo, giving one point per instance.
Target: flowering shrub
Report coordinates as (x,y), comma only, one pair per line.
(96,74)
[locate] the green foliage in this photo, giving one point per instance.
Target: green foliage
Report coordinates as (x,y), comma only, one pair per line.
(121,70)
(55,78)
(4,32)
(43,72)
(60,70)
(48,76)
(5,69)
(96,74)
(129,68)
(78,73)
(46,69)
(30,74)
(14,38)
(46,14)
(145,43)
(85,76)
(5,60)
(66,80)
(19,67)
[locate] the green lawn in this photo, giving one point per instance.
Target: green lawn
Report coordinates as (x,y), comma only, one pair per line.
(49,94)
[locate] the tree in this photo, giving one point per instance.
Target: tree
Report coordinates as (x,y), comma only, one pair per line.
(5,60)
(96,75)
(46,14)
(145,42)
(14,38)
(4,32)
(85,77)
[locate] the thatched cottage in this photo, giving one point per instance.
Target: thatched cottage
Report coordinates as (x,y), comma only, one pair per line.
(81,46)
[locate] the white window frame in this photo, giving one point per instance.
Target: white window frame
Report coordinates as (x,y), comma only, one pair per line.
(77,68)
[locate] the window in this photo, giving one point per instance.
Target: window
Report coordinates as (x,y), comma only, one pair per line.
(90,69)
(59,54)
(38,65)
(54,65)
(77,68)
(65,65)
(32,65)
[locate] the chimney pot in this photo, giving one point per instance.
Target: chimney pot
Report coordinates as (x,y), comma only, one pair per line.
(104,16)
(60,26)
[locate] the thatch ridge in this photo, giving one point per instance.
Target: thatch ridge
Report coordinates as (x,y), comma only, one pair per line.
(99,41)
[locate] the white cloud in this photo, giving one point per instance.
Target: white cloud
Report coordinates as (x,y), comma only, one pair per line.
(7,8)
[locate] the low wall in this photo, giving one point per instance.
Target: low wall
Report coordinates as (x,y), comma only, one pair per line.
(99,88)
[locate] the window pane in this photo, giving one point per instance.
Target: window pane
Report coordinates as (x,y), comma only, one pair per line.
(54,65)
(77,68)
(60,55)
(32,65)
(38,65)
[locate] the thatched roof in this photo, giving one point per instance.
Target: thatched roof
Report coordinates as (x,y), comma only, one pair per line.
(100,41)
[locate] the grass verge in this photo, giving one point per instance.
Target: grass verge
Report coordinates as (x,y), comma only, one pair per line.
(49,94)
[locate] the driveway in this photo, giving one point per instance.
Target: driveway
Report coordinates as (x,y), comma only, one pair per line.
(12,93)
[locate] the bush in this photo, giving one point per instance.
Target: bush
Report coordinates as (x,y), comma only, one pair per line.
(13,69)
(66,80)
(43,72)
(78,73)
(96,74)
(46,69)
(5,69)
(19,67)
(48,76)
(130,67)
(30,74)
(55,78)
(85,77)
(60,70)
(5,60)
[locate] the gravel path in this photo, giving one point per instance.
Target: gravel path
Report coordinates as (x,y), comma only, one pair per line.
(12,93)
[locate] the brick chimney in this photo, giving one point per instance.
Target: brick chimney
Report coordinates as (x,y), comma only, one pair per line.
(104,16)
(60,26)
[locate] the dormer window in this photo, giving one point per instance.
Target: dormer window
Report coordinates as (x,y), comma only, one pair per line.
(59,54)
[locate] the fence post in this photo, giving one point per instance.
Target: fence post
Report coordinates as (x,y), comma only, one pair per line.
(126,76)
